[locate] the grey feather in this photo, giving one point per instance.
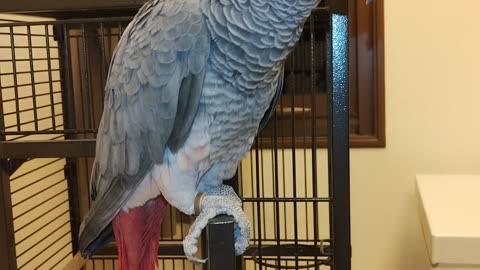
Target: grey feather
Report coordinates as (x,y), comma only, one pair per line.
(181,131)
(143,96)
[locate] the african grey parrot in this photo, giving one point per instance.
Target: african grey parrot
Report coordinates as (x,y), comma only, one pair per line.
(190,85)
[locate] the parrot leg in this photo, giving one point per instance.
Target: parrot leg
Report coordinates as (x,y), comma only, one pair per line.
(137,234)
(222,200)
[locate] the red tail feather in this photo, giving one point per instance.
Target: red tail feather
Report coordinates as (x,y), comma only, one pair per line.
(137,233)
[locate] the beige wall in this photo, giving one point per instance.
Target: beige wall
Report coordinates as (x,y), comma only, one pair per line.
(432,94)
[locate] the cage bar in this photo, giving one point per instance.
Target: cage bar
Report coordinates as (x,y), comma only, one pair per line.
(338,136)
(7,244)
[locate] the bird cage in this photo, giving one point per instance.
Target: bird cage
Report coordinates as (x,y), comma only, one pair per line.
(294,182)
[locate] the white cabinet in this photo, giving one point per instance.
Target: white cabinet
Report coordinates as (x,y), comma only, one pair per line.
(449,208)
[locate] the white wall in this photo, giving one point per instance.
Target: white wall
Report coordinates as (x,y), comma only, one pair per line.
(432,107)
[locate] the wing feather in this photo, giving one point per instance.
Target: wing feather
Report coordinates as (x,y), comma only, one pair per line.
(152,95)
(276,98)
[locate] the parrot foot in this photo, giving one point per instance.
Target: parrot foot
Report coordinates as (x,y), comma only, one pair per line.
(222,200)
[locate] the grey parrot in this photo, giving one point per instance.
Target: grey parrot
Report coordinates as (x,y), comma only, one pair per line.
(190,85)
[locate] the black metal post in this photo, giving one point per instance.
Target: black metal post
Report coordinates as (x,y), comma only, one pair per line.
(8,257)
(338,135)
(219,245)
(234,182)
(74,202)
(62,35)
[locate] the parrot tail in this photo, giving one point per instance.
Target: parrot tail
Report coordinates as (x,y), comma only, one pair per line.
(137,234)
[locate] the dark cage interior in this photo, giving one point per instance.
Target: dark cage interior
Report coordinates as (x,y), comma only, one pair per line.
(295,194)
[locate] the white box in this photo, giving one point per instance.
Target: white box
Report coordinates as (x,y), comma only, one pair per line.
(449,207)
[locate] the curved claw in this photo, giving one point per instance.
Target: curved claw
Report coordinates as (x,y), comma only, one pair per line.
(222,201)
(242,232)
(195,232)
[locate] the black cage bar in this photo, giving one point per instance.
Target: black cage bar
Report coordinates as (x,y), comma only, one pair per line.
(51,96)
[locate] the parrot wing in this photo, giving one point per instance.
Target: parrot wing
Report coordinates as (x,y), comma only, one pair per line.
(276,98)
(151,98)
